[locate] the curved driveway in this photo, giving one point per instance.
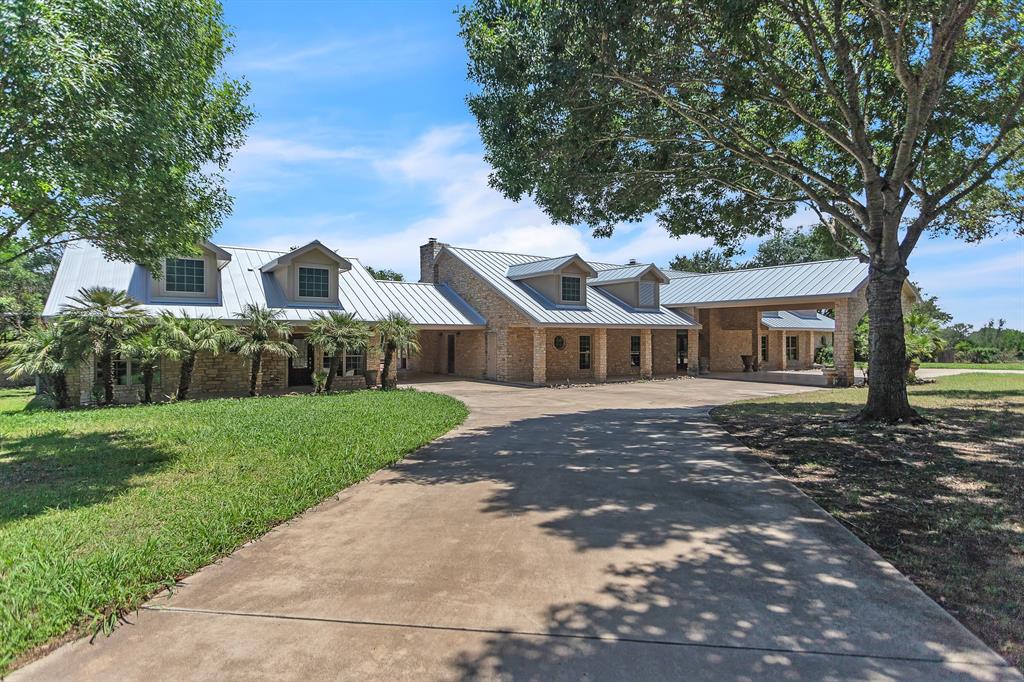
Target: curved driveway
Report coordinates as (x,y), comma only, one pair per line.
(607,532)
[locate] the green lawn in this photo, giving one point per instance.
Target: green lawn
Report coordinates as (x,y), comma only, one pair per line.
(973,365)
(102,507)
(944,502)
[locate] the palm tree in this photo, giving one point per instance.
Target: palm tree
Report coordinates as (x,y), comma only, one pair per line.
(261,331)
(49,351)
(183,338)
(145,350)
(106,318)
(396,334)
(337,333)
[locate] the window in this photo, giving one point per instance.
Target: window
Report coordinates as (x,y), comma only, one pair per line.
(584,352)
(647,294)
(127,372)
(313,282)
(571,289)
(353,365)
(634,351)
(559,342)
(792,348)
(764,349)
(186,275)
(682,349)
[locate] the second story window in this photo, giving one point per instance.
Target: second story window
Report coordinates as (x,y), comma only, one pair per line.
(571,289)
(186,275)
(313,282)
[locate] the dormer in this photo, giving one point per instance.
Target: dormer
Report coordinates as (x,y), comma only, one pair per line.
(308,274)
(562,280)
(191,275)
(636,284)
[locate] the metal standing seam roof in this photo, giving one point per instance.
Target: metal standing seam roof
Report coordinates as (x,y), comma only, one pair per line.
(821,279)
(624,273)
(798,320)
(542,266)
(242,282)
(602,309)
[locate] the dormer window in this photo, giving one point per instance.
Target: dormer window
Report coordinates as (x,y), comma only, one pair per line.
(185,275)
(314,282)
(571,289)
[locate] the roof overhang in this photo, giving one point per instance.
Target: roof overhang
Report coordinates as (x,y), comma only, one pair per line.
(816,301)
(549,266)
(315,245)
(632,276)
(222,256)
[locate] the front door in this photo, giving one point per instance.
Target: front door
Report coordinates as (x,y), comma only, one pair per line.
(300,366)
(451,353)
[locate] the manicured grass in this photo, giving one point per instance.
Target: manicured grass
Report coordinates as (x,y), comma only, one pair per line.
(944,502)
(974,365)
(102,507)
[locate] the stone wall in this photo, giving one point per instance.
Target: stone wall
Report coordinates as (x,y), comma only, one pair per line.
(517,354)
(664,351)
(470,353)
(564,364)
(618,353)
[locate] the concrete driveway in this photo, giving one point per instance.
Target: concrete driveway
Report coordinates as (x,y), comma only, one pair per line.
(609,532)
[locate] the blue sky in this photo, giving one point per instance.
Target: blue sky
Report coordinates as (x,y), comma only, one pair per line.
(364,141)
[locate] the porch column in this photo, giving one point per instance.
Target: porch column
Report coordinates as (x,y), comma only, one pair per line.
(599,353)
(848,312)
(783,356)
(693,352)
(540,355)
(501,351)
(646,354)
(755,339)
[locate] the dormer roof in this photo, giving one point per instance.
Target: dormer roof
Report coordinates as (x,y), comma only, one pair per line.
(628,273)
(223,257)
(315,245)
(549,266)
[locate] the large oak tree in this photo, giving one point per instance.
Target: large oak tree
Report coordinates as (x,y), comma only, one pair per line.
(115,125)
(889,118)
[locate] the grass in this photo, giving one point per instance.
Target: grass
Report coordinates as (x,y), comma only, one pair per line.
(103,507)
(943,502)
(973,365)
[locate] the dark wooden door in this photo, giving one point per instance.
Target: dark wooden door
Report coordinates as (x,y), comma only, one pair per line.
(451,353)
(297,374)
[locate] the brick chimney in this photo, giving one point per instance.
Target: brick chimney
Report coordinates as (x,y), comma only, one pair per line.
(428,256)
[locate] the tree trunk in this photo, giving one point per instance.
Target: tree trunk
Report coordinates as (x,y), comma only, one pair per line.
(188,364)
(332,371)
(887,360)
(107,369)
(60,390)
(147,384)
(254,374)
(387,382)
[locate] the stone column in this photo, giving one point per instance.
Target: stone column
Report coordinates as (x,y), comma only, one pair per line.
(540,355)
(848,312)
(755,338)
(693,352)
(599,354)
(783,357)
(646,354)
(501,350)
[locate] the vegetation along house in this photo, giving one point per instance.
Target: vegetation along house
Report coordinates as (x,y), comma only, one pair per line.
(487,314)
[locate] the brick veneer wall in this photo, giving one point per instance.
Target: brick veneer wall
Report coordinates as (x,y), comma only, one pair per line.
(518,355)
(664,349)
(565,364)
(618,353)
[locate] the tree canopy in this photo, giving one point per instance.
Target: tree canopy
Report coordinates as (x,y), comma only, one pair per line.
(385,274)
(115,125)
(782,248)
(889,120)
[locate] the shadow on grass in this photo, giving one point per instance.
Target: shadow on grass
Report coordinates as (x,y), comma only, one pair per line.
(968,394)
(55,470)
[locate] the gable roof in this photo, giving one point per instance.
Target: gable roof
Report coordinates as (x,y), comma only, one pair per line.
(628,273)
(243,282)
(548,266)
(798,320)
(840,278)
(314,245)
(601,309)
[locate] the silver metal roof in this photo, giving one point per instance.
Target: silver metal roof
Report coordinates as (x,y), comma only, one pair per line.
(242,282)
(602,309)
(544,266)
(798,320)
(821,279)
(626,273)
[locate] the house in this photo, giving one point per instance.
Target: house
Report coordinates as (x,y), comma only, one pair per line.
(488,314)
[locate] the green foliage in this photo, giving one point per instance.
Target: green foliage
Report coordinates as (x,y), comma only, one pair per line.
(261,332)
(397,334)
(782,248)
(319,381)
(335,332)
(825,355)
(24,285)
(116,124)
(102,507)
(385,274)
(705,260)
(923,334)
(183,338)
(48,351)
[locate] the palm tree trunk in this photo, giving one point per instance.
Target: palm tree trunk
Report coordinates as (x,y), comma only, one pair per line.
(254,374)
(107,370)
(386,381)
(332,371)
(60,390)
(887,360)
(188,365)
(147,384)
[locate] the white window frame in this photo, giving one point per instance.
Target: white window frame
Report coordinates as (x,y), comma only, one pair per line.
(178,292)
